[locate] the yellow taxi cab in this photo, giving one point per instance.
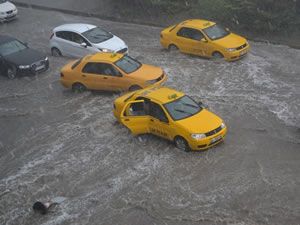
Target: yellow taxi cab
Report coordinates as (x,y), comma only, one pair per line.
(109,71)
(171,115)
(204,38)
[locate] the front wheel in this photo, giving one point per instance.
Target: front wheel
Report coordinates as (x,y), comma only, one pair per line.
(173,48)
(12,72)
(78,88)
(56,52)
(217,55)
(182,144)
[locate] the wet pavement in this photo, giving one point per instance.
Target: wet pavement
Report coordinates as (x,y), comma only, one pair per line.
(57,143)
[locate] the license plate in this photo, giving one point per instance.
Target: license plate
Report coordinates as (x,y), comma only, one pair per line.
(215,139)
(243,52)
(39,68)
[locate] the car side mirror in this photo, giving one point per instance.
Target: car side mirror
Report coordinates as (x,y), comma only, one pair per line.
(204,40)
(26,44)
(227,29)
(201,104)
(83,44)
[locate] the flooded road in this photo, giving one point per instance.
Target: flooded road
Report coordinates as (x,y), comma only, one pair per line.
(57,143)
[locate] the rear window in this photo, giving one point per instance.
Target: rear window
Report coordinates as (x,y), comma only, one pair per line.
(76,64)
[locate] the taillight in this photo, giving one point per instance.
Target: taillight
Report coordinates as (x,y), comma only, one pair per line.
(51,35)
(61,75)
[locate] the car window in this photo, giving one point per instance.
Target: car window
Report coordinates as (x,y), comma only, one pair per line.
(11,47)
(190,33)
(101,69)
(128,64)
(76,63)
(71,36)
(97,35)
(182,108)
(157,112)
(77,38)
(64,35)
(215,32)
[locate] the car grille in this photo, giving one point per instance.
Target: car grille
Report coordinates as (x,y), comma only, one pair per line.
(9,12)
(212,132)
(241,47)
(124,50)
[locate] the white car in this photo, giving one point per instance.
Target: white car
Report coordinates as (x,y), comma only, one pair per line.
(79,39)
(8,11)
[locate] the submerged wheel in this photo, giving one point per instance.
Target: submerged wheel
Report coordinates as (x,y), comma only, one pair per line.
(55,52)
(135,88)
(173,48)
(217,55)
(182,144)
(78,88)
(11,72)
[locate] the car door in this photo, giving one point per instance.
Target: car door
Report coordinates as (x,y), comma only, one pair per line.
(80,46)
(64,42)
(192,41)
(135,118)
(92,77)
(159,123)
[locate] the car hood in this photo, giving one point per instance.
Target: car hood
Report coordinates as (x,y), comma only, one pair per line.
(231,41)
(202,122)
(25,57)
(147,72)
(7,6)
(114,44)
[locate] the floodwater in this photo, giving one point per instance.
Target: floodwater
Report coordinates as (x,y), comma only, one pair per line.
(54,143)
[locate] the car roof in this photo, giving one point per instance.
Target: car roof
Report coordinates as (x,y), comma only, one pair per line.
(104,56)
(197,23)
(5,38)
(75,27)
(160,94)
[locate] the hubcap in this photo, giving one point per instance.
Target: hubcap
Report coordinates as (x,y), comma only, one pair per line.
(10,74)
(180,143)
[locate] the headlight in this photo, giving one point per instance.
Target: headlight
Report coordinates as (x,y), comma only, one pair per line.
(222,125)
(2,13)
(104,50)
(230,49)
(151,81)
(24,66)
(198,136)
(46,59)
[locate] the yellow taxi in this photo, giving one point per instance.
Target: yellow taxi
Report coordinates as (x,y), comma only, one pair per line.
(111,72)
(171,115)
(204,38)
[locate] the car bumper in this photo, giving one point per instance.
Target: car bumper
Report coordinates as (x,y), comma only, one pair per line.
(6,18)
(33,71)
(232,56)
(208,142)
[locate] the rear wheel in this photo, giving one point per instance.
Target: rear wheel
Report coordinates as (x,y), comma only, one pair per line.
(12,72)
(217,55)
(173,48)
(55,52)
(182,144)
(78,88)
(135,88)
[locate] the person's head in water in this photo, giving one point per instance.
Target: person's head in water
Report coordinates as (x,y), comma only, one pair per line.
(40,207)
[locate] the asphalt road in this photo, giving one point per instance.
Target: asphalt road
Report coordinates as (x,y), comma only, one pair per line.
(57,143)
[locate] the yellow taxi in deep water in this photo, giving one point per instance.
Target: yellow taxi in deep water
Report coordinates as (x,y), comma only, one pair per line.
(172,115)
(109,71)
(204,38)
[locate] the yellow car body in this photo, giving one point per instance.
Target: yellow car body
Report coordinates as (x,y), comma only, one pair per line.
(171,115)
(204,38)
(110,71)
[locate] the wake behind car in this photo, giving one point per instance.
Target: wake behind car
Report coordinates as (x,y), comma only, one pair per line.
(78,40)
(8,11)
(204,38)
(110,71)
(172,115)
(16,58)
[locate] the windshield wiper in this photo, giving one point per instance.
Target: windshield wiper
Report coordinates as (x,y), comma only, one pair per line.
(193,106)
(182,111)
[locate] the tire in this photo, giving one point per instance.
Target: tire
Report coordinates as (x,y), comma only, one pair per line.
(173,48)
(217,55)
(56,52)
(134,88)
(182,144)
(78,88)
(11,72)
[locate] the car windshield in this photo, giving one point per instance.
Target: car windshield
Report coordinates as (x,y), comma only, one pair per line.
(182,108)
(11,47)
(216,32)
(97,35)
(128,64)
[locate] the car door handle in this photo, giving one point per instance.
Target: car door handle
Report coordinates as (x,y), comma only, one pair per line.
(126,119)
(151,120)
(83,75)
(104,77)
